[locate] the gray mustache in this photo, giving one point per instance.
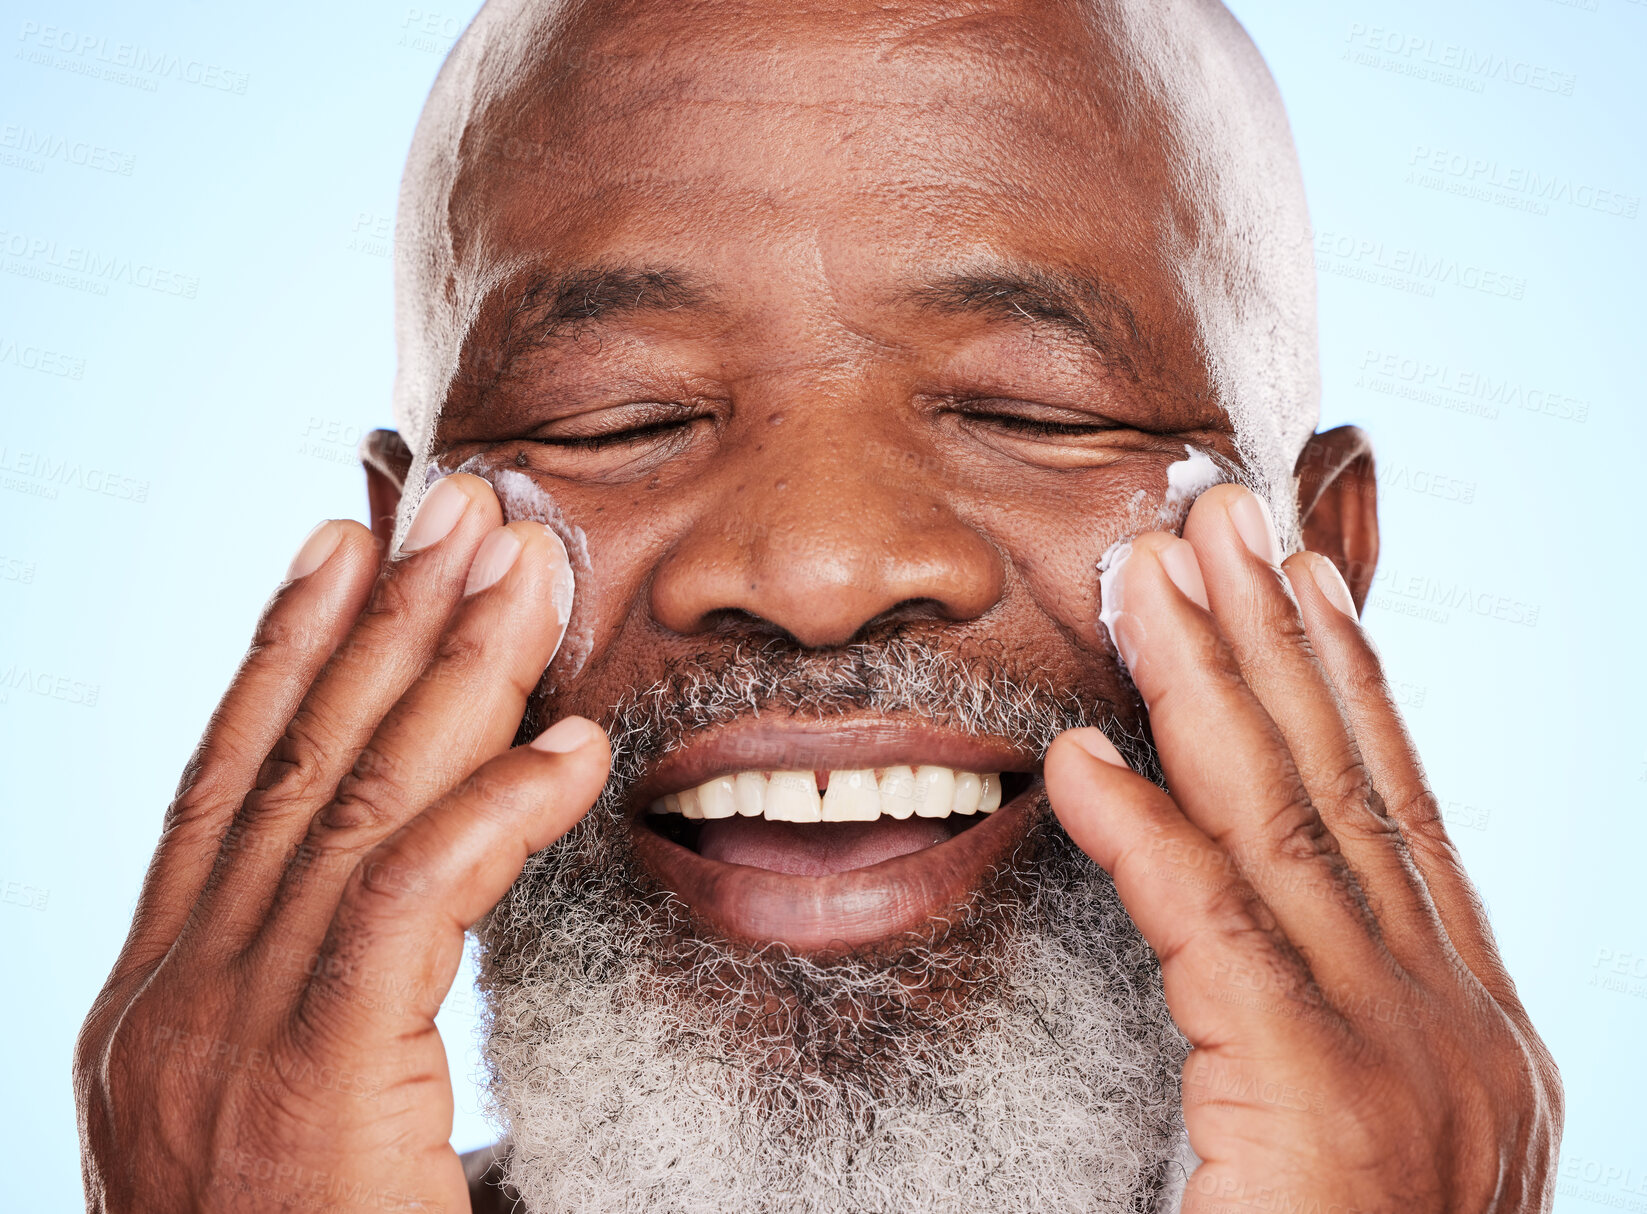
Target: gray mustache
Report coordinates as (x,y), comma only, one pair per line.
(976,693)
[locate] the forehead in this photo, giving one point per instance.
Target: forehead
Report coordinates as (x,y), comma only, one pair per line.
(827,155)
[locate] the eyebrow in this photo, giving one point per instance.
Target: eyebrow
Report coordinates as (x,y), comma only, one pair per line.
(552,303)
(1081,306)
(1077,305)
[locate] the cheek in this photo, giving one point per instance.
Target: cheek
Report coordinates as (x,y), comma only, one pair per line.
(611,552)
(1055,542)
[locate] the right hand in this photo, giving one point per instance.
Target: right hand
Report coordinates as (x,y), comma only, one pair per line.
(266,1039)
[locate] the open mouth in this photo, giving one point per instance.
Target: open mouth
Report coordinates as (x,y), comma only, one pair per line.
(831,836)
(814,824)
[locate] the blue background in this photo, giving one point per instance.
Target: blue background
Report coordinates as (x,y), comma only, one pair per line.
(1475,174)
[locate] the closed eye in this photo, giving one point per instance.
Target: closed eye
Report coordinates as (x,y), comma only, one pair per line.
(1032,420)
(613,438)
(1039,428)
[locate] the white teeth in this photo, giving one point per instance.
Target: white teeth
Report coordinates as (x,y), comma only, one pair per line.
(715,798)
(852,796)
(898,792)
(990,799)
(934,792)
(749,794)
(689,803)
(855,795)
(792,796)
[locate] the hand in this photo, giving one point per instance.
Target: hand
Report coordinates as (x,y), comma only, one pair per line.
(267,1039)
(1356,1043)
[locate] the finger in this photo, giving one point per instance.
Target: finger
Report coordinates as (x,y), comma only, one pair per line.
(388,647)
(307,619)
(1231,977)
(1226,763)
(1397,773)
(463,710)
(1252,599)
(396,940)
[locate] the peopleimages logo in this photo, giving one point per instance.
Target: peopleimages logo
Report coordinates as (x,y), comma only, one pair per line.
(1411,270)
(1464,389)
(38,358)
(42,476)
(1507,184)
(1453,62)
(122,62)
(85,268)
(28,147)
(49,685)
(1435,599)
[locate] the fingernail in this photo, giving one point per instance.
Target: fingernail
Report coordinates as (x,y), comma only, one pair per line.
(1331,584)
(495,557)
(1179,560)
(319,545)
(1255,526)
(1097,745)
(1109,584)
(1111,592)
(563,585)
(565,736)
(436,515)
(1127,633)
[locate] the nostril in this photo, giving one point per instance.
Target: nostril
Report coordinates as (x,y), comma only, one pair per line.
(738,624)
(912,611)
(741,624)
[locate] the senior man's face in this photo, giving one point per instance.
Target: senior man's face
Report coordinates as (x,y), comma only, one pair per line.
(840,354)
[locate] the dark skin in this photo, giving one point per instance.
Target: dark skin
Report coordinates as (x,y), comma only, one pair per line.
(733,295)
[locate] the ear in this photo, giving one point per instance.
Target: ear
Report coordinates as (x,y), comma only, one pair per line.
(1338,504)
(387,460)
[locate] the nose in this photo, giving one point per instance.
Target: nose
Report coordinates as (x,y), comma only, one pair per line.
(819,532)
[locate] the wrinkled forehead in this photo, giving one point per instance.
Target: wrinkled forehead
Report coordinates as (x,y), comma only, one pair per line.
(864,143)
(796,111)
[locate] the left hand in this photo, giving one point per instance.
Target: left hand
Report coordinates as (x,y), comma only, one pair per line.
(1357,1045)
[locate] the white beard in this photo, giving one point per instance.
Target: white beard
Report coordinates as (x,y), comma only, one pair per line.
(641,1066)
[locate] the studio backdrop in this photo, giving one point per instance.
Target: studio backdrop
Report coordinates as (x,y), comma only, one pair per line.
(197,219)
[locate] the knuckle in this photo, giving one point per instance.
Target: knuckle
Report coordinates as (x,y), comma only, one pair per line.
(1418,815)
(1293,829)
(1364,683)
(300,760)
(199,807)
(278,636)
(205,795)
(390,598)
(1276,616)
(456,654)
(1370,822)
(1235,911)
(386,876)
(1552,1089)
(1349,787)
(1299,834)
(364,805)
(1219,659)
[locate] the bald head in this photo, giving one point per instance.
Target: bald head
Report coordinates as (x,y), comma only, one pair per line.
(1142,142)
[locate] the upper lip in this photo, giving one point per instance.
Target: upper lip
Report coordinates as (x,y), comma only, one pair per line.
(830,744)
(846,910)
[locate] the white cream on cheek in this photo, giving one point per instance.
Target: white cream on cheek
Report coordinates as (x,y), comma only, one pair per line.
(1109,582)
(1187,479)
(522,498)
